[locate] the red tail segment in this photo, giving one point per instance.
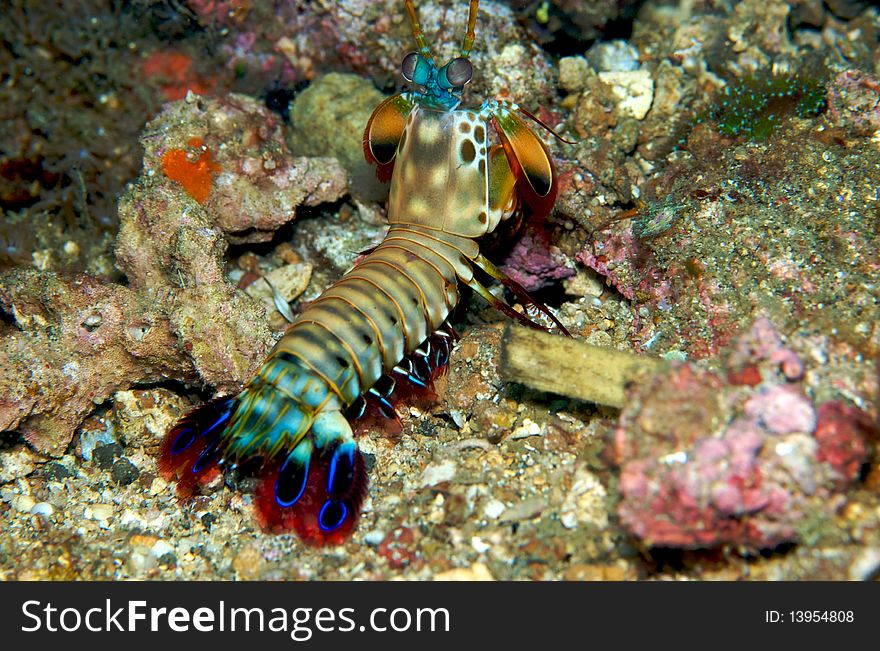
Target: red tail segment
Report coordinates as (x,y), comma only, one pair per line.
(304,517)
(191,451)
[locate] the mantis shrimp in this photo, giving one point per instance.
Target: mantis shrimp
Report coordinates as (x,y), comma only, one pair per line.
(383,323)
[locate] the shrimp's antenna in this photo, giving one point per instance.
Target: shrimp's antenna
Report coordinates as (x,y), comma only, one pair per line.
(470,35)
(418,34)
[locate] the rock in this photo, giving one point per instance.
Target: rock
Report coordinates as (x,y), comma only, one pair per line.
(143,416)
(23,503)
(160,548)
(124,472)
(344,101)
(290,281)
(43,508)
(527,429)
(866,565)
(573,73)
(525,510)
(248,563)
(634,90)
(17,463)
(437,473)
(493,509)
(613,56)
(100,512)
(585,503)
(707,461)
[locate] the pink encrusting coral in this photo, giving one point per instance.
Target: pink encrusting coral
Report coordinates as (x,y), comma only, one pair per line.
(628,267)
(534,262)
(840,435)
(708,460)
(603,257)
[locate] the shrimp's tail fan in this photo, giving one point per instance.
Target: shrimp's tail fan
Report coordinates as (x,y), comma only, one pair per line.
(318,493)
(192,450)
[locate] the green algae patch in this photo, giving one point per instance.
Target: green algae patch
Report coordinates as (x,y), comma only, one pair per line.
(757,105)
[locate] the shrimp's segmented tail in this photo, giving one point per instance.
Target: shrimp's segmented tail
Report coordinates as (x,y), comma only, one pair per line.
(312,478)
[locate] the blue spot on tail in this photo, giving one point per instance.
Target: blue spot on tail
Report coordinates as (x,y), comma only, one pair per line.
(202,422)
(207,457)
(341,473)
(185,439)
(292,480)
(332,516)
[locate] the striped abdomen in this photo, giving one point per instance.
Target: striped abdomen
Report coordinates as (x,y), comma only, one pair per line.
(380,311)
(290,414)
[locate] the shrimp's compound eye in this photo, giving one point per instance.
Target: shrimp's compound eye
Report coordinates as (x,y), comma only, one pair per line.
(415,68)
(456,73)
(408,66)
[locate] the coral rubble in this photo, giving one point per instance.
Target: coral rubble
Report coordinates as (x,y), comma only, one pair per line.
(744,459)
(80,340)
